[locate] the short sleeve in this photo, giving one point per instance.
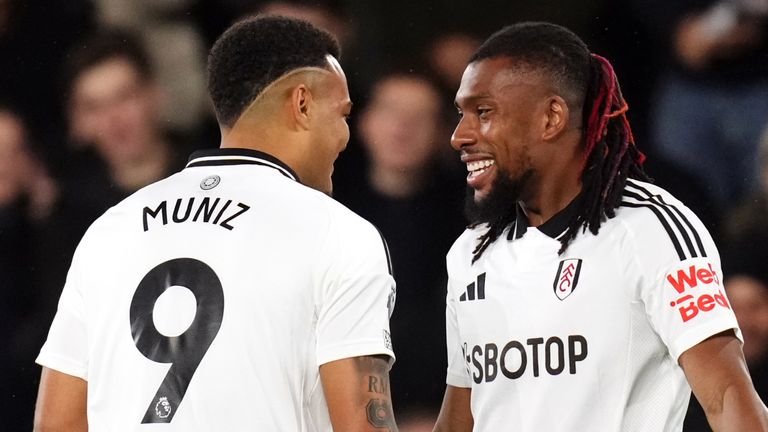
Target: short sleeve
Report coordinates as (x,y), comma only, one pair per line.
(688,304)
(681,283)
(66,349)
(458,374)
(357,292)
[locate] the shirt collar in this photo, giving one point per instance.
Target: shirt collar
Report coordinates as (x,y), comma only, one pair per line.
(554,227)
(239,156)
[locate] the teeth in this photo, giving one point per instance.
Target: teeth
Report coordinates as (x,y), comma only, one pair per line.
(480,164)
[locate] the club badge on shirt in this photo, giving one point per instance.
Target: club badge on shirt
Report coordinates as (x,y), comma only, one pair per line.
(567,277)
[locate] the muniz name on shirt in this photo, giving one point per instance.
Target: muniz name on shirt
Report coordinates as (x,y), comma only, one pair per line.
(216,211)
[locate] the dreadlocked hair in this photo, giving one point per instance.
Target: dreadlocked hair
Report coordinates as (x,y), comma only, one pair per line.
(610,153)
(495,228)
(588,81)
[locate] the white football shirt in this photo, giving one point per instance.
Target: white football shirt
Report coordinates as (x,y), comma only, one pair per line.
(588,340)
(208,300)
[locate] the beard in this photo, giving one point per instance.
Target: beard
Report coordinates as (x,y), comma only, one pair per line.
(500,205)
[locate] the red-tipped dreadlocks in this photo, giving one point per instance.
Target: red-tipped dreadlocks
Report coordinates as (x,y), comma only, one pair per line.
(614,106)
(610,154)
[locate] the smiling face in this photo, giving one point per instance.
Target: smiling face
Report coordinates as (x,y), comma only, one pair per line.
(503,115)
(401,124)
(116,109)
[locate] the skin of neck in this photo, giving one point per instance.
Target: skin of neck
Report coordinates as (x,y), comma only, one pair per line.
(270,125)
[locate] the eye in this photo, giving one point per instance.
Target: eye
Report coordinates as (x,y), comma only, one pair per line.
(459,113)
(483,112)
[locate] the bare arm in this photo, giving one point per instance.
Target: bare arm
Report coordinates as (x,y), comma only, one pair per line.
(455,414)
(61,403)
(717,373)
(357,391)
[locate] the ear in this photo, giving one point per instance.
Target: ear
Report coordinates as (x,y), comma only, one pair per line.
(300,105)
(557,116)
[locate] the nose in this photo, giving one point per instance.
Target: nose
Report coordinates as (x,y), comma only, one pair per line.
(464,134)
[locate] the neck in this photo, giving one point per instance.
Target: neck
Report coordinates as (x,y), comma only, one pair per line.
(558,184)
(395,183)
(542,210)
(136,173)
(285,146)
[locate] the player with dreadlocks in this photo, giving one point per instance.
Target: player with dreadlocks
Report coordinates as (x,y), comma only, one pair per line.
(606,290)
(609,151)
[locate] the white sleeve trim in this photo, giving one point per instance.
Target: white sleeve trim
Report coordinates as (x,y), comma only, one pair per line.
(699,333)
(62,364)
(353,349)
(456,380)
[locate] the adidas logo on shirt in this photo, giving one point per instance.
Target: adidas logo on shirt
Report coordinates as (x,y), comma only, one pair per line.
(475,291)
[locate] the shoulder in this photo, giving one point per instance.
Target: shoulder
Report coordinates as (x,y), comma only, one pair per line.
(352,242)
(337,226)
(660,224)
(461,251)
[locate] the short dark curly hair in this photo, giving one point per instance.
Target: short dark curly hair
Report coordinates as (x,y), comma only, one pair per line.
(255,52)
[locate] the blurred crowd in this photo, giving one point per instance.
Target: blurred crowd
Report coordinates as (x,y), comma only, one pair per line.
(99,98)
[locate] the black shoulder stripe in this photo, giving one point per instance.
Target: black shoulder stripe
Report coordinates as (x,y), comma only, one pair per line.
(696,235)
(660,200)
(671,216)
(664,223)
(386,252)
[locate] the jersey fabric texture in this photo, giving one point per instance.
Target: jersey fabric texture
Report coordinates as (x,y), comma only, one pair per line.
(588,340)
(269,278)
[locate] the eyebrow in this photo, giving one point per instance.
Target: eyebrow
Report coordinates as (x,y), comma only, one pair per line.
(471,98)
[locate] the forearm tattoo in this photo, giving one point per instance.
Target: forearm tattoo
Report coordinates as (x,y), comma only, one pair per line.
(378,410)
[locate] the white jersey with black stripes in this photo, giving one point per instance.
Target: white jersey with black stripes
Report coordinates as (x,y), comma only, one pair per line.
(588,340)
(208,300)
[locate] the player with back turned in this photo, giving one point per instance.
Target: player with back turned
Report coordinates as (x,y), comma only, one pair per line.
(581,297)
(234,295)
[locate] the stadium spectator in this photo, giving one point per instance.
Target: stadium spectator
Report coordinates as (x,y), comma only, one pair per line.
(113,104)
(448,56)
(176,48)
(712,101)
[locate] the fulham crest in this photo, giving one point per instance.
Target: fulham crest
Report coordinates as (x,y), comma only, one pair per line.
(567,277)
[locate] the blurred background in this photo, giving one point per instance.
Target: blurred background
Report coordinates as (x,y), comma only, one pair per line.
(101,97)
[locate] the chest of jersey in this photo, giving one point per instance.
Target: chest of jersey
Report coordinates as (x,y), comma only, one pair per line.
(527,313)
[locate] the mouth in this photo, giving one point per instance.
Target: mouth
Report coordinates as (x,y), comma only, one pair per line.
(479,177)
(478,167)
